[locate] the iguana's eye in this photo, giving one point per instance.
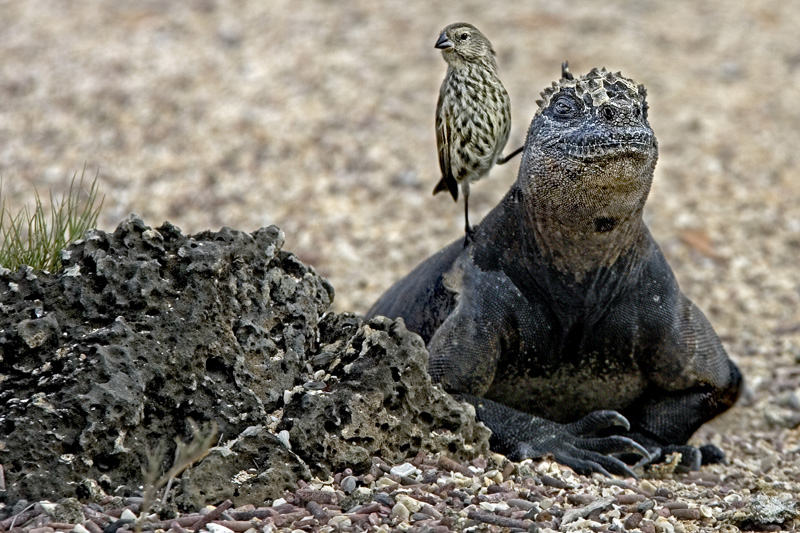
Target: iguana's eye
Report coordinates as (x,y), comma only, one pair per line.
(608,112)
(565,107)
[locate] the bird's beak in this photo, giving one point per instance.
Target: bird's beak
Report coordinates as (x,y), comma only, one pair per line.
(443,42)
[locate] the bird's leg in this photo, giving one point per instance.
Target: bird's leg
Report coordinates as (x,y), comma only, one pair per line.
(504,158)
(469,230)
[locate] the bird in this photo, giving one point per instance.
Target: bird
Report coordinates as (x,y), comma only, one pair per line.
(473,113)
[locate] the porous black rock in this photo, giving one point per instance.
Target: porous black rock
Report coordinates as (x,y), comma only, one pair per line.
(145,328)
(378,383)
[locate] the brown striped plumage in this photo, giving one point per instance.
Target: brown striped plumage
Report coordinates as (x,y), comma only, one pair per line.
(473,115)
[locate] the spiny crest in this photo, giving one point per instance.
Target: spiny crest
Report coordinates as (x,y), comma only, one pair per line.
(597,87)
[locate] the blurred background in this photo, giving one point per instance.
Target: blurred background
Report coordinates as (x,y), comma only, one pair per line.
(317,116)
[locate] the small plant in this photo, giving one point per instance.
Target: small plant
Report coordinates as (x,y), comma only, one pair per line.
(186,454)
(34,239)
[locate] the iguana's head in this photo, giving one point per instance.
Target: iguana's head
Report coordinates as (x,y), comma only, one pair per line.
(589,159)
(599,116)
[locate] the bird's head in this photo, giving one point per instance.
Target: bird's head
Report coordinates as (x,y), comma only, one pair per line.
(463,43)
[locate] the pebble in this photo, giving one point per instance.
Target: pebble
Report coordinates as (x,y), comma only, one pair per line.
(322,359)
(663,525)
(648,487)
(387,483)
(283,436)
(662,492)
(384,499)
(523,504)
(647,526)
(92,527)
(550,481)
(408,502)
(627,499)
(645,506)
(340,521)
(676,505)
(348,484)
(440,499)
(430,511)
(218,528)
(400,512)
(583,512)
(633,521)
(314,385)
(686,514)
(316,510)
(405,469)
(48,507)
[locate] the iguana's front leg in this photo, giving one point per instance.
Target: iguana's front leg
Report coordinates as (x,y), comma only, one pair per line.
(661,425)
(693,381)
(491,316)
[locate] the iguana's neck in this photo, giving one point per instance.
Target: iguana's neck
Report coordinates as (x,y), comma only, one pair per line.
(586,216)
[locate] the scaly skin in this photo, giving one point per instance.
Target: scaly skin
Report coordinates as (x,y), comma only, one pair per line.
(561,322)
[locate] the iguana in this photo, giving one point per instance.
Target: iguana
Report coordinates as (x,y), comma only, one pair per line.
(561,322)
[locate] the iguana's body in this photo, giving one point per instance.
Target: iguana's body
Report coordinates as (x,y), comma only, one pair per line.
(563,304)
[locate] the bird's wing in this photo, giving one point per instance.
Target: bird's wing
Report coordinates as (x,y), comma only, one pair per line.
(443,137)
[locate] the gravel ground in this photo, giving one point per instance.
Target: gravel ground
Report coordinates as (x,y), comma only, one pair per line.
(318,117)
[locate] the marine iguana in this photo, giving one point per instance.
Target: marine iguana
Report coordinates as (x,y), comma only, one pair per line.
(562,322)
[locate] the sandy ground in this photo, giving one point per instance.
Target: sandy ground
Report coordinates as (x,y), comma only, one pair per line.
(317,116)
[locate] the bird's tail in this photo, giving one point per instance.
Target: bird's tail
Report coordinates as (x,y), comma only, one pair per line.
(447,185)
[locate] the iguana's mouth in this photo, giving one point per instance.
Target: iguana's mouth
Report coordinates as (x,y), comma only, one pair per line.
(601,147)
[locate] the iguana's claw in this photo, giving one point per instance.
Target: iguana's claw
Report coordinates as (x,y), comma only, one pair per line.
(585,445)
(586,456)
(595,462)
(597,422)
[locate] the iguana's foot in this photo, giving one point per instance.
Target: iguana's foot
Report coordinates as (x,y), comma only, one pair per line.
(712,455)
(579,445)
(588,445)
(692,457)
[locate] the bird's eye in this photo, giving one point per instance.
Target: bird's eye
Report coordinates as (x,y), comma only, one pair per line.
(464,36)
(564,107)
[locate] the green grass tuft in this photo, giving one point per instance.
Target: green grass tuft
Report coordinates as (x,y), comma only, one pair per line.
(34,239)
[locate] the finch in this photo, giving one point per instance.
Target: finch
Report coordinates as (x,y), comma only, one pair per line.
(473,114)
